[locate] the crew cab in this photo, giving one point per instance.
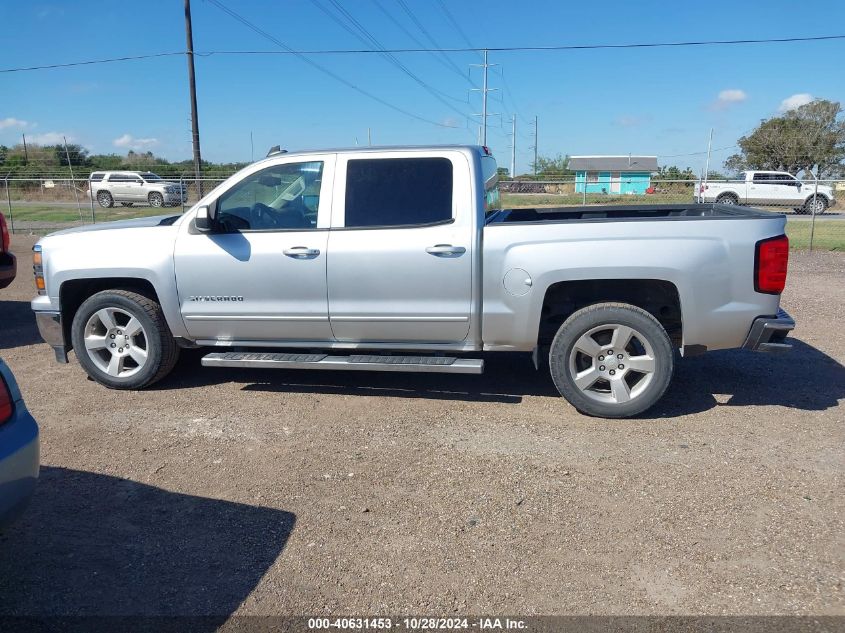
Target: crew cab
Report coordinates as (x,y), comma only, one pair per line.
(399,259)
(768,188)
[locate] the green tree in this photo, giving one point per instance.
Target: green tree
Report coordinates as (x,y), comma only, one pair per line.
(811,136)
(672,172)
(548,167)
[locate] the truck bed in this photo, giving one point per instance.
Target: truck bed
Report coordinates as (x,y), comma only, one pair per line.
(627,212)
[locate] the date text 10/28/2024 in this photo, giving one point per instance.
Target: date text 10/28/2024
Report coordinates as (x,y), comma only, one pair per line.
(417,624)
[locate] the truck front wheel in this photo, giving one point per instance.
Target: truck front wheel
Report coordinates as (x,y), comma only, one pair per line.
(122,340)
(611,360)
(815,205)
(727,198)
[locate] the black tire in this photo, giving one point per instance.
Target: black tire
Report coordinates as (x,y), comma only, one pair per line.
(161,349)
(155,199)
(564,359)
(126,204)
(105,199)
(727,198)
(822,204)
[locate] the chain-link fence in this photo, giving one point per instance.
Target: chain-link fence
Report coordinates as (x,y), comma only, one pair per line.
(816,211)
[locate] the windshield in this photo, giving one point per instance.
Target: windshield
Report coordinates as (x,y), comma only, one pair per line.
(150,177)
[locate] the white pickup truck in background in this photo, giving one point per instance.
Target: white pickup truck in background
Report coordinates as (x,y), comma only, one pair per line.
(769,188)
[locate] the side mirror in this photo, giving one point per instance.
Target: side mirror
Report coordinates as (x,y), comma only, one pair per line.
(204,220)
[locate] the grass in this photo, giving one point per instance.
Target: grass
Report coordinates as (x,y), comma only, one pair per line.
(60,215)
(829,235)
(518,200)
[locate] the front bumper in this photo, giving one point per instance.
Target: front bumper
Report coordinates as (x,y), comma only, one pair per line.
(51,330)
(19,463)
(767,334)
(8,269)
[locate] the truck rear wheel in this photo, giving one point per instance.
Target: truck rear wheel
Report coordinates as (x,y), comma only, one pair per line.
(122,340)
(611,360)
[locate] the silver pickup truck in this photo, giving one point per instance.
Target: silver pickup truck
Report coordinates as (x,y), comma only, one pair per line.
(399,259)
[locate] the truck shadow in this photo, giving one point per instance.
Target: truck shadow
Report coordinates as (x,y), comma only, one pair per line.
(804,378)
(17,325)
(91,544)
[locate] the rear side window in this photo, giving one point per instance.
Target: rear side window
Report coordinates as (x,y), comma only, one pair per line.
(118,178)
(97,176)
(398,191)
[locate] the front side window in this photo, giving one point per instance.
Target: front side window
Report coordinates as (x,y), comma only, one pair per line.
(398,192)
(278,197)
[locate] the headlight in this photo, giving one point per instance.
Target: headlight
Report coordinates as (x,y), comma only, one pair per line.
(38,269)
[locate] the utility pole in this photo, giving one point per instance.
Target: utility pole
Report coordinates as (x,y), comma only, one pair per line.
(369,137)
(513,146)
(251,148)
(707,165)
(536,128)
(25,153)
(195,128)
(72,179)
(484,90)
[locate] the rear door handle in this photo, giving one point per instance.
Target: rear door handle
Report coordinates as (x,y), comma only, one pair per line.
(445,249)
(301,252)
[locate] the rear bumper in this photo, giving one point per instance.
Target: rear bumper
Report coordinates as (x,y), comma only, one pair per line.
(8,269)
(767,334)
(51,330)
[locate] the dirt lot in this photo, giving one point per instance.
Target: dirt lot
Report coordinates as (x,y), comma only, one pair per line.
(280,492)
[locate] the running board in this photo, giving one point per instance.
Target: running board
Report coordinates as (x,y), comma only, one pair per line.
(359,362)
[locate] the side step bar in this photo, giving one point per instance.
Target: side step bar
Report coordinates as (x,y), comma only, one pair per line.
(359,362)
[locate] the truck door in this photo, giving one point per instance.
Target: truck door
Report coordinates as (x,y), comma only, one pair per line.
(400,248)
(261,274)
(763,189)
(789,190)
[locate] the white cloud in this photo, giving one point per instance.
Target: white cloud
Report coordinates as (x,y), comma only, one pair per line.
(729,97)
(50,138)
(128,141)
(12,122)
(795,101)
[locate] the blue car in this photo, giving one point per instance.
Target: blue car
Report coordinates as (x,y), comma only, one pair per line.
(19,454)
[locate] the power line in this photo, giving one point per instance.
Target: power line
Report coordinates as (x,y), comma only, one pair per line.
(369,37)
(92,61)
(718,149)
(440,60)
(347,51)
(454,22)
(322,68)
(425,32)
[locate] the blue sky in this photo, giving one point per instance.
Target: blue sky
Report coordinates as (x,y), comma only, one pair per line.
(657,101)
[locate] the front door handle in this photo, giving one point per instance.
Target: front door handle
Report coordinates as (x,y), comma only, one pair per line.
(445,249)
(301,252)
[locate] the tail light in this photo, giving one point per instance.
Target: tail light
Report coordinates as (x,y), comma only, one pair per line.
(770,262)
(6,404)
(4,234)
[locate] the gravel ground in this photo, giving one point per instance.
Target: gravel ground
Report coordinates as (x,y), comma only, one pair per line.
(250,492)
